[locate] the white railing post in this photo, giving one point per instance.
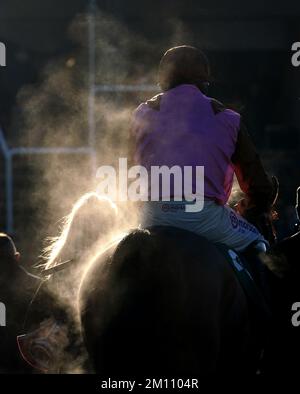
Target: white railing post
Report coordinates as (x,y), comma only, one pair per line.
(3,145)
(8,183)
(92,76)
(9,195)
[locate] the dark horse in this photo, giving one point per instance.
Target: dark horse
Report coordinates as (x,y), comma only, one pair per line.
(167,302)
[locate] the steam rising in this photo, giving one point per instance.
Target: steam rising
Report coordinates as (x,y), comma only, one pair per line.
(54,114)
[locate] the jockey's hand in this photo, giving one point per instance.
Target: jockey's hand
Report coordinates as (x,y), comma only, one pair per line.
(263,221)
(243,205)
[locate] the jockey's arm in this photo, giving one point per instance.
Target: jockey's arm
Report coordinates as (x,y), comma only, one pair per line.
(250,173)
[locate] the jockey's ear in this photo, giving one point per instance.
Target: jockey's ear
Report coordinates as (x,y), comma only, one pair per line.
(17,257)
(275,189)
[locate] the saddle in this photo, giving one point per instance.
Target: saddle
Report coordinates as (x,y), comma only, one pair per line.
(245,267)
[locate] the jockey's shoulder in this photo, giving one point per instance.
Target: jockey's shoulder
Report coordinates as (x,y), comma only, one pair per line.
(151,104)
(154,102)
(218,106)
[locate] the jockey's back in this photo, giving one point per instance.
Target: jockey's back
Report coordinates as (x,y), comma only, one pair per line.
(183,127)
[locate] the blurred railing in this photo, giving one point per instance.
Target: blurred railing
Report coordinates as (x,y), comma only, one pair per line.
(3,144)
(94,89)
(7,182)
(10,153)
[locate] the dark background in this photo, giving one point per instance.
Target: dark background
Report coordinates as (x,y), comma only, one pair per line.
(248,43)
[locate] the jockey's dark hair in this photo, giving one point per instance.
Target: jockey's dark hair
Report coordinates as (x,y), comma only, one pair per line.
(183,65)
(7,248)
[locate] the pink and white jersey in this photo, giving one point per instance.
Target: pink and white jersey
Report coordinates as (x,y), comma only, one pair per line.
(186,131)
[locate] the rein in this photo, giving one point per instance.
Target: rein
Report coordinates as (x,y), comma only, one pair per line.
(58,267)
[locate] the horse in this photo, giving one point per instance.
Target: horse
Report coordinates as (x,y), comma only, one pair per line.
(283,346)
(165,301)
(16,287)
(51,342)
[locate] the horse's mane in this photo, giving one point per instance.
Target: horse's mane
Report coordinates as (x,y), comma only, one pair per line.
(90,211)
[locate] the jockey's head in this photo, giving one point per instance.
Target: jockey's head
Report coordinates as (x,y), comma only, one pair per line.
(8,251)
(183,65)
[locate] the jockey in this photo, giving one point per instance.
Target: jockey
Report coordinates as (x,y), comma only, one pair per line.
(183,127)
